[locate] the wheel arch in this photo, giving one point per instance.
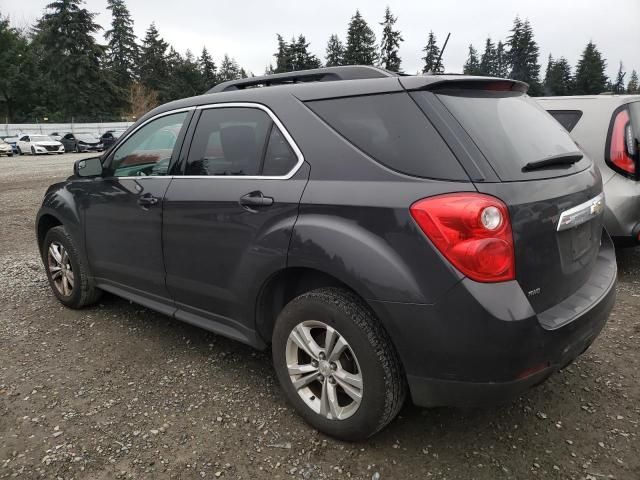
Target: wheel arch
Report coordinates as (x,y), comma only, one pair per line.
(282,287)
(46,222)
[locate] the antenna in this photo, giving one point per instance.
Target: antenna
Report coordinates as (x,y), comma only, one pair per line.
(441,52)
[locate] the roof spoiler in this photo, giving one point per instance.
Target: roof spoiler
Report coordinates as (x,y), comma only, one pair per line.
(351,72)
(440,82)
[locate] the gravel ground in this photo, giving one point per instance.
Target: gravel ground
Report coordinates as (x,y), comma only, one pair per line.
(118,391)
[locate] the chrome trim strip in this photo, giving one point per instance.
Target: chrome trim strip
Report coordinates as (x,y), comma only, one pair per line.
(160,115)
(581,213)
(259,106)
(278,124)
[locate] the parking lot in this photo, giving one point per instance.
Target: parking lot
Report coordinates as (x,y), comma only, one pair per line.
(118,391)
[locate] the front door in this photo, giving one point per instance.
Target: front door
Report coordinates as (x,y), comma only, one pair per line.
(123,214)
(228,220)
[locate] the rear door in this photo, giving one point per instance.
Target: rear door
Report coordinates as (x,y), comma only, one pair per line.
(512,135)
(228,219)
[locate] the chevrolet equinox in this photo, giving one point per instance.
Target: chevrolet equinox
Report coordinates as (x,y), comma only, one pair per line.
(433,236)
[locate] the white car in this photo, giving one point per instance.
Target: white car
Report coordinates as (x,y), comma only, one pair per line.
(37,144)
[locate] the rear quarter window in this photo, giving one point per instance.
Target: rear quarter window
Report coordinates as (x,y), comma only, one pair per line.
(567,118)
(392,130)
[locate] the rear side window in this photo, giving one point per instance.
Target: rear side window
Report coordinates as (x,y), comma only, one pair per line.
(512,130)
(567,118)
(238,142)
(392,130)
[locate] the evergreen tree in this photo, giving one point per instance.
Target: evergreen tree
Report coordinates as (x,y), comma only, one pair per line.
(70,61)
(558,79)
(300,58)
(472,65)
(390,43)
(122,49)
(489,59)
(229,69)
(185,78)
(207,69)
(335,52)
(633,87)
(590,77)
(523,56)
(243,74)
(361,43)
(432,53)
(18,89)
(155,63)
(502,62)
(284,61)
(618,86)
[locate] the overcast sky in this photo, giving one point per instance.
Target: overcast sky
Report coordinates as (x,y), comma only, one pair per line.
(246,30)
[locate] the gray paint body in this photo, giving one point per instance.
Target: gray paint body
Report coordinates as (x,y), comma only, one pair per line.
(199,256)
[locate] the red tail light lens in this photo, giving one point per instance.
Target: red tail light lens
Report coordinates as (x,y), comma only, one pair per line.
(473,231)
(622,147)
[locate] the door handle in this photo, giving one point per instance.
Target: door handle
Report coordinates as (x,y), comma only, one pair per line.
(147,200)
(254,200)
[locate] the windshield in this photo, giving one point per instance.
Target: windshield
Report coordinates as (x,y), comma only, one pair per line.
(40,138)
(86,137)
(512,130)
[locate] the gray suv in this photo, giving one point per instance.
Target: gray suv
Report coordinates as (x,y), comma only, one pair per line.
(384,235)
(607,128)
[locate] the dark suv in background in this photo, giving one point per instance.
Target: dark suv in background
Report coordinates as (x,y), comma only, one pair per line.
(440,235)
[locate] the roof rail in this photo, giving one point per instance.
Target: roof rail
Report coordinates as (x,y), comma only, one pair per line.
(350,72)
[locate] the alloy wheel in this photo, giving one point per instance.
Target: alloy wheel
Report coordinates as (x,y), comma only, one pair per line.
(324,370)
(60,269)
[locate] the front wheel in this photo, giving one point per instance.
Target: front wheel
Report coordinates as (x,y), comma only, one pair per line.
(337,365)
(67,274)
(33,151)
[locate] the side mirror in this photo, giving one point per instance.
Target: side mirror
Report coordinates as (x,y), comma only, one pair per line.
(88,167)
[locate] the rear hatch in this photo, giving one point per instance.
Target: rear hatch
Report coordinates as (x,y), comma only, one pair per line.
(517,152)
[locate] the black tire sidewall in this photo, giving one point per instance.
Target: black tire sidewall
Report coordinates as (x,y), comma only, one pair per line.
(57,234)
(366,420)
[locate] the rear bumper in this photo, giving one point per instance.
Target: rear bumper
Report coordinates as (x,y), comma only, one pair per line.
(484,343)
(622,212)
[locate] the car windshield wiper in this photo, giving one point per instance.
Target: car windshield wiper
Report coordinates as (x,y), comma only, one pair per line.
(554,160)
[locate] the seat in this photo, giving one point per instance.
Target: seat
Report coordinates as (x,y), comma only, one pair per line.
(240,149)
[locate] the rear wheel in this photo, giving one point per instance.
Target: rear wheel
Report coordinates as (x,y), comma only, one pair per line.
(337,365)
(33,150)
(67,274)
(19,151)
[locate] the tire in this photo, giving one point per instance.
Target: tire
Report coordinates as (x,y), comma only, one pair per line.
(75,149)
(10,154)
(19,151)
(82,291)
(369,357)
(33,150)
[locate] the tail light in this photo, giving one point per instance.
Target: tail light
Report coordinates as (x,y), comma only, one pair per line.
(622,151)
(473,231)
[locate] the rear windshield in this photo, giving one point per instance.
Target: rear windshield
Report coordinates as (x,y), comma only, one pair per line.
(512,130)
(392,130)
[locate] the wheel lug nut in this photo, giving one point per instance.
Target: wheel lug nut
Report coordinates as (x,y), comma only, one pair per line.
(314,363)
(333,366)
(321,378)
(321,355)
(332,380)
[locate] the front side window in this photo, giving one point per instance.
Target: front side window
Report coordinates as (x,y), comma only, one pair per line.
(148,151)
(236,141)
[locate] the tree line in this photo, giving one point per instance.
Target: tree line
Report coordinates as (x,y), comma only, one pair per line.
(56,69)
